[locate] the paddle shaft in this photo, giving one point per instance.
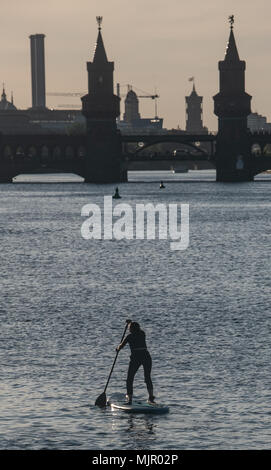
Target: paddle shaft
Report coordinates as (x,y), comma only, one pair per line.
(115,358)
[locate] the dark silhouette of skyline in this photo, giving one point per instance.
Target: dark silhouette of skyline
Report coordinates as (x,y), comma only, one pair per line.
(153,46)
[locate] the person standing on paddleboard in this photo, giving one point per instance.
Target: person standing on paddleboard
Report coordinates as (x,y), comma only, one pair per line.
(140,356)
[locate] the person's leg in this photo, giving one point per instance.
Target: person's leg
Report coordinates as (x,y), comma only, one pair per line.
(133,368)
(147,365)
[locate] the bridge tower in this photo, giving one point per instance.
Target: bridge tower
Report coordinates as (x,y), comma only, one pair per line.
(232,106)
(101,108)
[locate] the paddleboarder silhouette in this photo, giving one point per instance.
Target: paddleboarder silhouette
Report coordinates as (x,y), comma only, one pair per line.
(140,356)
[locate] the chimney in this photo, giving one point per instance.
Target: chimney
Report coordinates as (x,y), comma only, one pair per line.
(37,70)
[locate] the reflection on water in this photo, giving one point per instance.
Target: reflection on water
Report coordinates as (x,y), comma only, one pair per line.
(134,176)
(139,430)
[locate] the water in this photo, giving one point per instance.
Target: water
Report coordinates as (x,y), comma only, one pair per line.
(64,301)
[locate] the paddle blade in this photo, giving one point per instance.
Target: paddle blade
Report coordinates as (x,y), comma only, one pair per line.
(101,400)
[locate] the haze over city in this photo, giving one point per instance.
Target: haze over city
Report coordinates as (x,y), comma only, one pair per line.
(154,44)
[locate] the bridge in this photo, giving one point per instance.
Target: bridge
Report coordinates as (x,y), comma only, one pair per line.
(21,154)
(190,140)
(259,154)
(194,157)
(52,153)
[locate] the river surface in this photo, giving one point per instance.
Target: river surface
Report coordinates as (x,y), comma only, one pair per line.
(206,313)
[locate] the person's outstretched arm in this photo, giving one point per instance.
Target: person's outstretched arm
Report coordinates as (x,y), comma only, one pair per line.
(121,345)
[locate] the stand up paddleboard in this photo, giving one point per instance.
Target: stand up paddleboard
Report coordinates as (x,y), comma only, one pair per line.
(139,407)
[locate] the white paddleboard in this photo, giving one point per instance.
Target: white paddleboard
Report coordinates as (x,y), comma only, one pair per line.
(139,407)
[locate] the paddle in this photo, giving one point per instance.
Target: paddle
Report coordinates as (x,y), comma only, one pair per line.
(101,400)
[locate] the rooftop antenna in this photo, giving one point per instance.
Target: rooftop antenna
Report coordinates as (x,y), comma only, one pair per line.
(155,102)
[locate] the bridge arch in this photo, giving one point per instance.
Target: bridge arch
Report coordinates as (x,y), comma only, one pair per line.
(32,151)
(267,149)
(81,151)
(44,155)
(19,152)
(256,149)
(161,141)
(44,151)
(56,153)
(7,152)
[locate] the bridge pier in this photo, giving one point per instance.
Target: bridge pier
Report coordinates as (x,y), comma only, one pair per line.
(104,156)
(5,179)
(224,175)
(233,159)
(6,172)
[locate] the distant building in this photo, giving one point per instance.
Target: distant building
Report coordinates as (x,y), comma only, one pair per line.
(37,70)
(13,121)
(6,105)
(132,122)
(194,123)
(38,120)
(131,107)
(258,123)
(59,121)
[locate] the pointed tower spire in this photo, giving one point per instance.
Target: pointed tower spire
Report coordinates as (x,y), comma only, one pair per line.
(99,53)
(231,54)
(4,96)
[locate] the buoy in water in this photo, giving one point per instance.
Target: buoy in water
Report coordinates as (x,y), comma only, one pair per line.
(116,195)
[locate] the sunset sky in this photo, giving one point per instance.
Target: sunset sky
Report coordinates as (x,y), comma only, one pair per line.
(154,44)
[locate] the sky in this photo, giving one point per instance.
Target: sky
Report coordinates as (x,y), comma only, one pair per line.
(155,44)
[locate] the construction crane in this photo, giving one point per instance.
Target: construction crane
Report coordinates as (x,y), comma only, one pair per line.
(69,106)
(153,97)
(65,94)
